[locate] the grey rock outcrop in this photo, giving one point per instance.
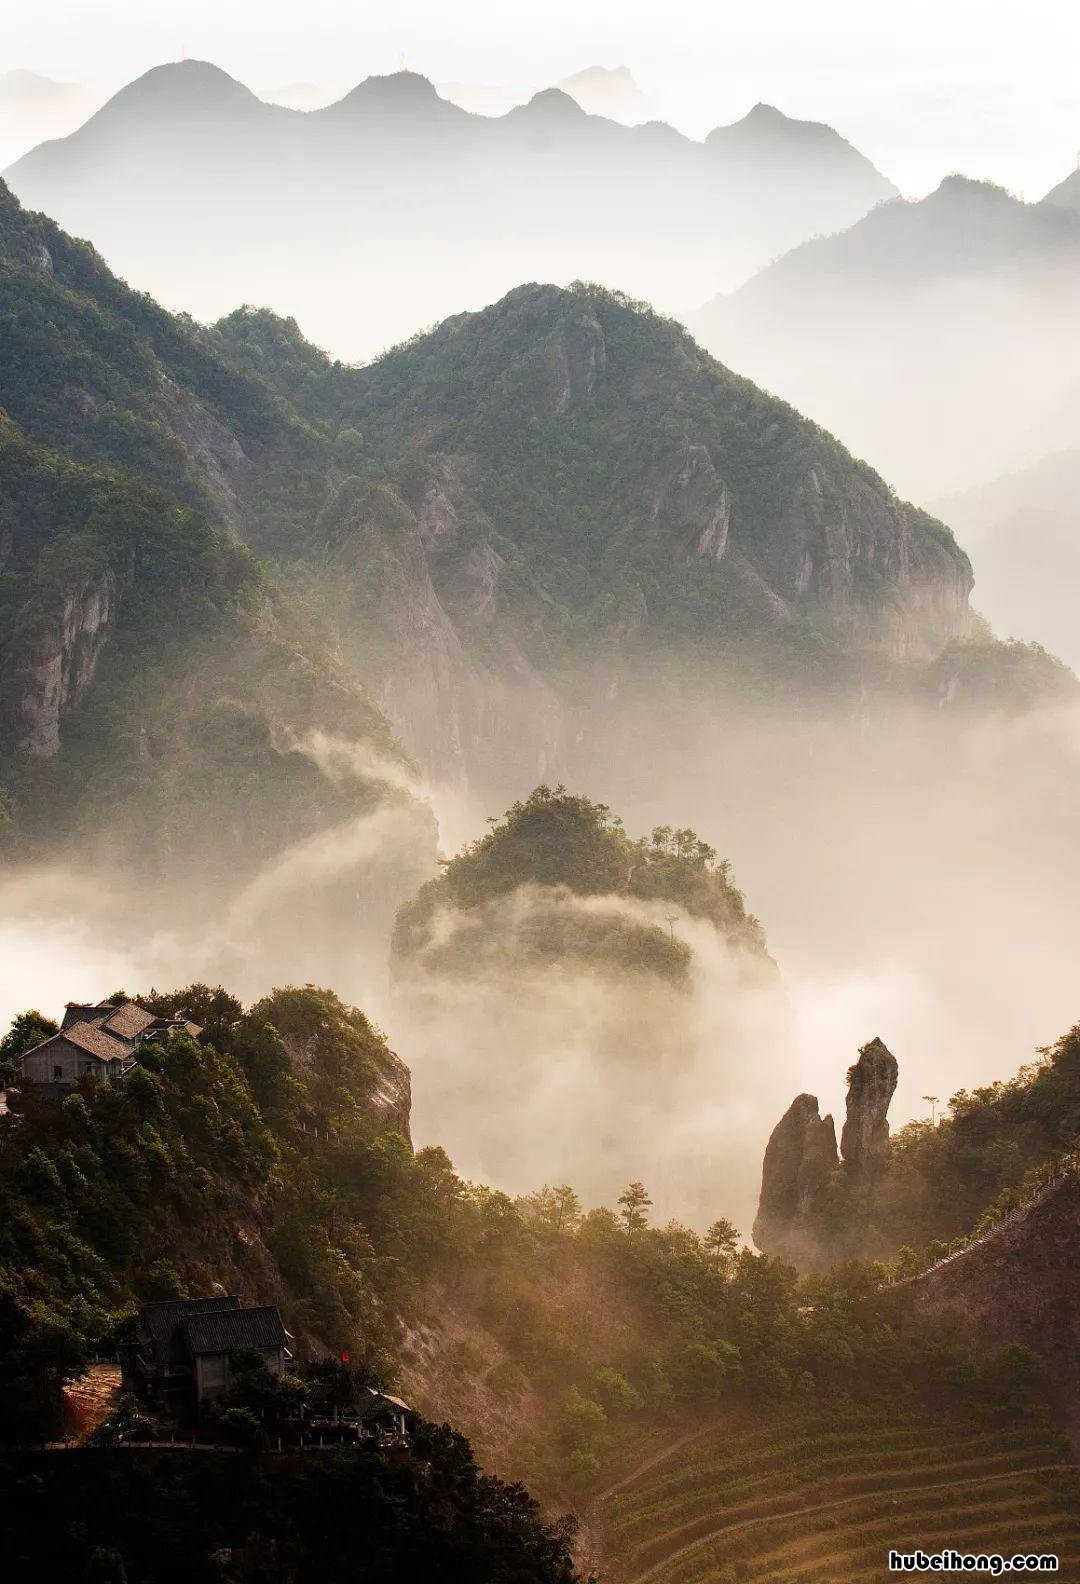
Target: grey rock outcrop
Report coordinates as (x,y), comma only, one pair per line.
(864,1142)
(57,667)
(799,1157)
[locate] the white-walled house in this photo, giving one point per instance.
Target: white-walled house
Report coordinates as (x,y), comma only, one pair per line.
(97,1040)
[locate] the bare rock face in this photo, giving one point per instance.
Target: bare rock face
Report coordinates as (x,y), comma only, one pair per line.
(800,1154)
(58,666)
(390,1102)
(216,456)
(864,1142)
(693,505)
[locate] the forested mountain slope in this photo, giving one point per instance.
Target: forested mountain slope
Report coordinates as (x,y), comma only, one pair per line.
(561,1340)
(147,661)
(491,527)
(563,490)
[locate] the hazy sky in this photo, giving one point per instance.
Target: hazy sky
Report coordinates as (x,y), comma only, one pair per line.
(989,87)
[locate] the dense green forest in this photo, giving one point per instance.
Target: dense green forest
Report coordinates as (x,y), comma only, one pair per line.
(558,842)
(591,1327)
(600,441)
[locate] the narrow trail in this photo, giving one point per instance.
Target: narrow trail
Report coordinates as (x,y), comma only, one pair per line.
(667,1451)
(761,1518)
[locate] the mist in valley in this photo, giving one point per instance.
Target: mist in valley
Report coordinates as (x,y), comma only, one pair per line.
(912,861)
(913,872)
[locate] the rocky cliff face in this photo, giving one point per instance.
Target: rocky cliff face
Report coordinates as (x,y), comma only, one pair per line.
(864,1142)
(799,1157)
(54,671)
(149,666)
(423,616)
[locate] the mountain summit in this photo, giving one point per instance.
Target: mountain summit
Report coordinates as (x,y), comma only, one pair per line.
(561,489)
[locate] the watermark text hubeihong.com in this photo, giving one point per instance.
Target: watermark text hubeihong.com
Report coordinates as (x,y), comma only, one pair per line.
(971,1562)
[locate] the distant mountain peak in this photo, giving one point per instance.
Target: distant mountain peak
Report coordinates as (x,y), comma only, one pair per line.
(187,78)
(767,128)
(1067,193)
(185,87)
(397,90)
(606,91)
(620,74)
(957,185)
(551,104)
(762,113)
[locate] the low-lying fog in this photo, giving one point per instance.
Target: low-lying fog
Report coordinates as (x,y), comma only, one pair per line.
(916,876)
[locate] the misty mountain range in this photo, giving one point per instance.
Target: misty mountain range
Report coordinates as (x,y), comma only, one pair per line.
(594,598)
(197,190)
(1023,530)
(560,486)
(939,338)
(552,538)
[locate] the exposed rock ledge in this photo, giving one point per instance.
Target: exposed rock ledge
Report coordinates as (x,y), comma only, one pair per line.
(59,666)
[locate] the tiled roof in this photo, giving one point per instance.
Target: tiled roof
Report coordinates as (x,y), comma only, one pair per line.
(162,1320)
(94,1039)
(378,1399)
(129,1020)
(84,1012)
(225,1330)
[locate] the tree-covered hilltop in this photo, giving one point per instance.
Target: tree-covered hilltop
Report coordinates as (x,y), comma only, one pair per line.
(608,462)
(556,846)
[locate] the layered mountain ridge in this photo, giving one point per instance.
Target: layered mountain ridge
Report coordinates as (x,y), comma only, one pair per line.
(930,335)
(498,529)
(207,196)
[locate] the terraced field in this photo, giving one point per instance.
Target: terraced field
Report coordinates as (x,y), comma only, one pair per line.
(823,1501)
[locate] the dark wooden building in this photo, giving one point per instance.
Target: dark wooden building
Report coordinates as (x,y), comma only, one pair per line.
(180,1356)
